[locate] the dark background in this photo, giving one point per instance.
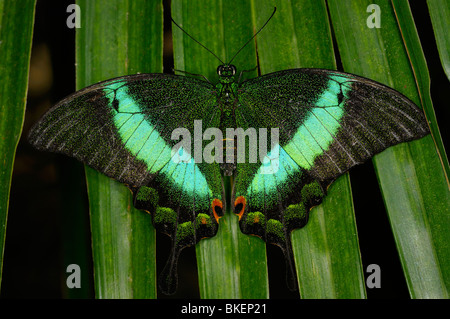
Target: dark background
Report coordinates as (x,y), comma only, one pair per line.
(39,220)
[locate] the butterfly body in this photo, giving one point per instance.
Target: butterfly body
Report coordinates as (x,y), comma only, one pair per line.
(321,123)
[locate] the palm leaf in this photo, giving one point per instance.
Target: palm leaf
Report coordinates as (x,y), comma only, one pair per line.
(123,240)
(440,18)
(16,18)
(411,176)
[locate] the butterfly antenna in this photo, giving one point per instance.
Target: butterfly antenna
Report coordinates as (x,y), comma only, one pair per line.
(196,40)
(274,10)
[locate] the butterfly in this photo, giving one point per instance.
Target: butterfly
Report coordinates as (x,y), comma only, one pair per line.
(140,129)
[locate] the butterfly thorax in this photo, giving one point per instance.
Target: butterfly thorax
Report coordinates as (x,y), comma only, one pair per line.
(227,101)
(227,86)
(227,95)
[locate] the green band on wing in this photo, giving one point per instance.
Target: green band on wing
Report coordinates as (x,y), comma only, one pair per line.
(269,184)
(138,135)
(145,143)
(308,142)
(321,125)
(188,176)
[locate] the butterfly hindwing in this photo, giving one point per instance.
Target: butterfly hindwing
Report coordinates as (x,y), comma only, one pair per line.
(123,128)
(328,121)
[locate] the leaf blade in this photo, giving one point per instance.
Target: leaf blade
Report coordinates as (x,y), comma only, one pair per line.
(440,17)
(15,18)
(123,238)
(407,170)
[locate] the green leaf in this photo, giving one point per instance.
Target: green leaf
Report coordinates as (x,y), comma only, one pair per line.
(422,77)
(439,224)
(118,38)
(411,176)
(230,265)
(16,30)
(440,18)
(327,256)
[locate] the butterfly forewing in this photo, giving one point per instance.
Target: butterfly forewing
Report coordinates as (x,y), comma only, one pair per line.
(329,121)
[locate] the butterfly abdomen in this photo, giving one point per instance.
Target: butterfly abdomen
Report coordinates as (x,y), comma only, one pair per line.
(228,165)
(227,120)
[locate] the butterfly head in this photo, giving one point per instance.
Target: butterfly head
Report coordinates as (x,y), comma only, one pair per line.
(226,70)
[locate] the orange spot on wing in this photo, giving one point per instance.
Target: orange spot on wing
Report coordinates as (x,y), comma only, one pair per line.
(240,200)
(217,203)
